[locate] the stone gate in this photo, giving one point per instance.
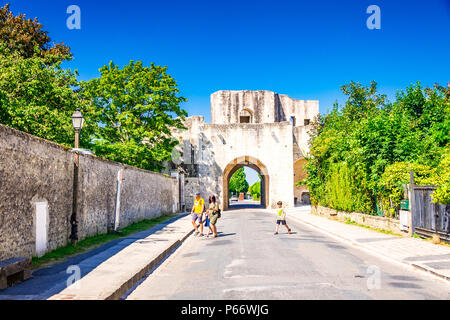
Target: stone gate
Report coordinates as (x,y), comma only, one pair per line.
(263,130)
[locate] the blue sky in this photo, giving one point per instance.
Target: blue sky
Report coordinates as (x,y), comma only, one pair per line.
(251,175)
(305,49)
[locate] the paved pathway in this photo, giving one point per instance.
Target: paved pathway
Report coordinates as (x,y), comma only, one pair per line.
(415,252)
(101,270)
(248,261)
(116,275)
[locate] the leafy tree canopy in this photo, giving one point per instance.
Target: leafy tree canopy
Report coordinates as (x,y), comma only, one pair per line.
(359,151)
(129,112)
(136,108)
(37,98)
(255,190)
(238,182)
(36,93)
(28,39)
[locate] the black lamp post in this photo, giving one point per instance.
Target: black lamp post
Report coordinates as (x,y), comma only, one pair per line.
(77,122)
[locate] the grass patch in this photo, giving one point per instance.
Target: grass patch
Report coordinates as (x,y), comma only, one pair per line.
(416,236)
(90,243)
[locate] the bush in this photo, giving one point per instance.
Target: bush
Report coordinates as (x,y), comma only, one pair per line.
(360,153)
(255,190)
(393,179)
(442,193)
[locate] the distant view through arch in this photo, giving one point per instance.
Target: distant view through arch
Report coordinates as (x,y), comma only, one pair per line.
(251,163)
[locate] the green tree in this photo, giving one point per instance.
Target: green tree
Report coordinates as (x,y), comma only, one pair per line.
(255,190)
(136,108)
(36,93)
(36,97)
(238,182)
(360,152)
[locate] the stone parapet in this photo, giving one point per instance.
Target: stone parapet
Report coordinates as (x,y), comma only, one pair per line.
(383,223)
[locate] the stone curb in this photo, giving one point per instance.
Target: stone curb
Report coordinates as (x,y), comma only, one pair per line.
(132,279)
(369,250)
(425,269)
(135,279)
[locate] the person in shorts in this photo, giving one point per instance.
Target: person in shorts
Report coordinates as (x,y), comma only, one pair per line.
(281,217)
(214,214)
(197,213)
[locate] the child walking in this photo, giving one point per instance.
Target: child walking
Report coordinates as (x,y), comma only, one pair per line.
(208,223)
(281,217)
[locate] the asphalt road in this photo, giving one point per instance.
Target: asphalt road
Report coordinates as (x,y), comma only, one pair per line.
(247,261)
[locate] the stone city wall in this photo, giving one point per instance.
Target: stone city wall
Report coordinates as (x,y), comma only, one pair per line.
(264,107)
(191,187)
(300,192)
(301,142)
(34,170)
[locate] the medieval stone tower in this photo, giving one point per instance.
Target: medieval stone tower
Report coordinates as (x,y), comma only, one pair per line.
(263,130)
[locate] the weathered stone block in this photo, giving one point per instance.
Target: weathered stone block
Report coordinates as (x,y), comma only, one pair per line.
(13,271)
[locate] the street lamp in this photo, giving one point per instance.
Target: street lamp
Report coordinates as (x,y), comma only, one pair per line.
(77,122)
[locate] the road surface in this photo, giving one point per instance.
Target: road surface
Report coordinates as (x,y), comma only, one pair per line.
(247,261)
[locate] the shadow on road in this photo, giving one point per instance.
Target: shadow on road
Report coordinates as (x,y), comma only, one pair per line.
(239,206)
(49,281)
(221,235)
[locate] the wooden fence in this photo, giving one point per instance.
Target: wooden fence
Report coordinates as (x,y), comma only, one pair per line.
(429,218)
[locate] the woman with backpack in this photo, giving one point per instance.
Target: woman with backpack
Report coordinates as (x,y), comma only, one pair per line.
(214,214)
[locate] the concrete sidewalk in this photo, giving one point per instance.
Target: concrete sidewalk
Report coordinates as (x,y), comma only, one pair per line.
(114,259)
(417,253)
(111,279)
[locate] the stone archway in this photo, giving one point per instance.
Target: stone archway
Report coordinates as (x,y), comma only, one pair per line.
(251,162)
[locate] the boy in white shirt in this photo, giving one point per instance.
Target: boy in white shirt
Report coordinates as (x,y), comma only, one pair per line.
(281,217)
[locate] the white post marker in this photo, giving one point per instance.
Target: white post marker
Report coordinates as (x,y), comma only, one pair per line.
(117,213)
(41,224)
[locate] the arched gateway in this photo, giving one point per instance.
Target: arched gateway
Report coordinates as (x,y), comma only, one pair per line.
(249,128)
(255,164)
